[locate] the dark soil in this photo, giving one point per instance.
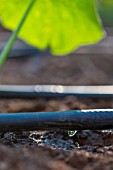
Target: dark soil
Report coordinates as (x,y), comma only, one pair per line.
(54,150)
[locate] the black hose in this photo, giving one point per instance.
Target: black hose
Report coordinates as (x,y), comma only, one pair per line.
(55,90)
(69,120)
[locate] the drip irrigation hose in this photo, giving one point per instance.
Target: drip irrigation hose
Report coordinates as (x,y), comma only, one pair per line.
(55,90)
(68,120)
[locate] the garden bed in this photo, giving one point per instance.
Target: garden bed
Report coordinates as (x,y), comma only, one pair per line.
(54,150)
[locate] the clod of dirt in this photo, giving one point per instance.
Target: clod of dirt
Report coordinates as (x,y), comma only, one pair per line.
(94,138)
(43,158)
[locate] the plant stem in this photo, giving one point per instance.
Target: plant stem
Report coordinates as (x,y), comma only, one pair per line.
(14,35)
(98,119)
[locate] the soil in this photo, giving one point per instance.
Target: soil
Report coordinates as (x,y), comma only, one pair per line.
(54,150)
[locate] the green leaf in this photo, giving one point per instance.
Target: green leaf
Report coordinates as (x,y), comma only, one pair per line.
(62,25)
(11,41)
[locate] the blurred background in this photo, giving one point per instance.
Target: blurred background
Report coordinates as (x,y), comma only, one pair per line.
(89,65)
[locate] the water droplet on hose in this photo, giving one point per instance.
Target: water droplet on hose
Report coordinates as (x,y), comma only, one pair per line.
(71,132)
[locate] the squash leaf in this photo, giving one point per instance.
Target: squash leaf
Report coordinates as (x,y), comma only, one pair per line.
(61,25)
